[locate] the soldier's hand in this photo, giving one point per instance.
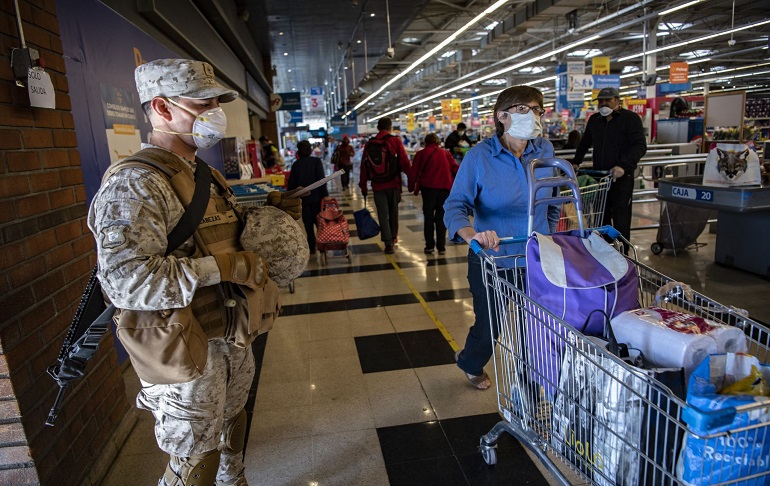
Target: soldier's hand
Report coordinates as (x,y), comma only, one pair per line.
(282,200)
(617,172)
(242,268)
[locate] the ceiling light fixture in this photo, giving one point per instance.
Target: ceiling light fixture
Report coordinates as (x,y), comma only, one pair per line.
(436,49)
(692,41)
(494,74)
(679,7)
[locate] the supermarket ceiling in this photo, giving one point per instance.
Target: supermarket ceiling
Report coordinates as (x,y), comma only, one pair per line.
(343,45)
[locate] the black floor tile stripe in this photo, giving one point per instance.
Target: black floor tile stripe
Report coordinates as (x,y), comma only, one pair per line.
(349,304)
(446,452)
(431,262)
(403,350)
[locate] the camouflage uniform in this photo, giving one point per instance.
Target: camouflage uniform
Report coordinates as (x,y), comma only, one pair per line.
(130,217)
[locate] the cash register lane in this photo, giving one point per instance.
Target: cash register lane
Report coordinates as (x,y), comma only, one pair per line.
(743,231)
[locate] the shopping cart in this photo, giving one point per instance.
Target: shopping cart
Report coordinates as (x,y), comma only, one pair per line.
(594,186)
(569,426)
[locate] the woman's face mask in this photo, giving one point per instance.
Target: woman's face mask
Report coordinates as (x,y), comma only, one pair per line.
(525,127)
(208,128)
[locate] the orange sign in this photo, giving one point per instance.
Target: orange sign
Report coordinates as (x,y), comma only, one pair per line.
(678,72)
(446,110)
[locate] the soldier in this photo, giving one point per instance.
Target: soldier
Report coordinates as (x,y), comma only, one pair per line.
(200,422)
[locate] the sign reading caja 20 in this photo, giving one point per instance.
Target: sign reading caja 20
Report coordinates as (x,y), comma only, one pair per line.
(692,193)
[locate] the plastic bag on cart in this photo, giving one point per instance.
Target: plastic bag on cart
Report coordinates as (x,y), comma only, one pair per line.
(740,448)
(602,418)
(633,435)
(572,276)
(573,407)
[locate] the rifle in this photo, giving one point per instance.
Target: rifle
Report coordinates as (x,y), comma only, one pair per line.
(91,321)
(93,317)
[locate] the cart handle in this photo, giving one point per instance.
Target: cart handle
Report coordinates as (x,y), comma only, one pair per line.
(594,172)
(602,230)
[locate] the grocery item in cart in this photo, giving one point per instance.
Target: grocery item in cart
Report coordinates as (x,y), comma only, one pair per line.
(276,237)
(572,277)
(675,339)
(737,442)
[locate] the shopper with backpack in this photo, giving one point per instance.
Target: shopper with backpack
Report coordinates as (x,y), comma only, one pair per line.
(382,162)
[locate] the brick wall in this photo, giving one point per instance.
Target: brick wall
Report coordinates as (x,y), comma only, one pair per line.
(46,254)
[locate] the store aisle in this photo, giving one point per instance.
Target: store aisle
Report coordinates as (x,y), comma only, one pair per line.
(357,383)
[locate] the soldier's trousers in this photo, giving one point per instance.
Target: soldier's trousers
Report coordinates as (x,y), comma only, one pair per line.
(189,416)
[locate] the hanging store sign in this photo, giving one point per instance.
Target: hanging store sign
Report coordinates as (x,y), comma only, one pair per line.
(599,65)
(457,111)
(285,101)
(446,111)
(315,103)
(602,81)
(410,122)
(678,72)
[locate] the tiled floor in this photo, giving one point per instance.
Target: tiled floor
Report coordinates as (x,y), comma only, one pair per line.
(357,383)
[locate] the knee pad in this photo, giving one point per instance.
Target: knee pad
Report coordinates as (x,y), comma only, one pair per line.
(198,470)
(234,434)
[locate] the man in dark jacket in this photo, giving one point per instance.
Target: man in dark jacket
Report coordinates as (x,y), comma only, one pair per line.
(617,137)
(453,141)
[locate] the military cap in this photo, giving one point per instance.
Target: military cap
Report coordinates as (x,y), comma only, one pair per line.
(608,93)
(180,77)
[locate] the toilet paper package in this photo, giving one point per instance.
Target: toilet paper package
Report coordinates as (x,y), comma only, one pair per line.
(674,339)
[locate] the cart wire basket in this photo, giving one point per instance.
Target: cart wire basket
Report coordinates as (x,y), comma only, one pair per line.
(594,187)
(605,421)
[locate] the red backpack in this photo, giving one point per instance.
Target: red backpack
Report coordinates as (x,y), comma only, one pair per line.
(381,164)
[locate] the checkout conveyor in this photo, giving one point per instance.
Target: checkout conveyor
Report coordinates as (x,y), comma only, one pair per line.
(743,230)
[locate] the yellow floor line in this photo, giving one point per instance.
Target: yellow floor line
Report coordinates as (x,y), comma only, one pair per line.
(424,304)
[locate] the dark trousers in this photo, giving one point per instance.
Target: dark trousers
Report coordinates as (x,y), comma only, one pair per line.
(386,202)
(345,178)
(433,210)
(309,213)
(478,344)
(618,210)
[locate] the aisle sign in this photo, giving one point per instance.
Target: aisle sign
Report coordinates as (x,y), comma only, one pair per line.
(457,111)
(316,103)
(599,65)
(602,81)
(285,101)
(446,111)
(678,72)
(316,90)
(576,67)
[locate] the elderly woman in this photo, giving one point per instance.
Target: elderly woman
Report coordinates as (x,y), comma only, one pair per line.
(492,185)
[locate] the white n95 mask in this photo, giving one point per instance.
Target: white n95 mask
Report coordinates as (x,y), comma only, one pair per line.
(525,127)
(208,128)
(605,111)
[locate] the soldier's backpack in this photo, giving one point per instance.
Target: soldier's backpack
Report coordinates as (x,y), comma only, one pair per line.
(380,162)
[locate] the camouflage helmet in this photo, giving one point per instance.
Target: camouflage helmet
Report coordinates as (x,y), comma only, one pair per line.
(180,77)
(275,236)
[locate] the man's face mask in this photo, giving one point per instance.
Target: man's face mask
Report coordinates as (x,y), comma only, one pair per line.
(208,128)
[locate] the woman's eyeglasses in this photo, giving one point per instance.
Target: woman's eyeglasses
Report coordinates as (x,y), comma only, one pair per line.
(524,109)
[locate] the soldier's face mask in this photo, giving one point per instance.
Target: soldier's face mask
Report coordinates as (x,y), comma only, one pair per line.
(208,128)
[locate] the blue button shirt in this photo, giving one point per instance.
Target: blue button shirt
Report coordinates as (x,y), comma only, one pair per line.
(492,185)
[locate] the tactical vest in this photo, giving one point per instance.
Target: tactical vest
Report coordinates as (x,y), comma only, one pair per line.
(219,308)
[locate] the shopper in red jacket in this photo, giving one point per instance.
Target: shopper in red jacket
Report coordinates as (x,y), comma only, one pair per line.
(433,172)
(382,162)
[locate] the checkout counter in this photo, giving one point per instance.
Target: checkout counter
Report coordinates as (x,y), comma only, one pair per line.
(743,231)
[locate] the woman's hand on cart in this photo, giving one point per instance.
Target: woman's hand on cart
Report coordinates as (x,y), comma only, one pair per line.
(476,245)
(485,240)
